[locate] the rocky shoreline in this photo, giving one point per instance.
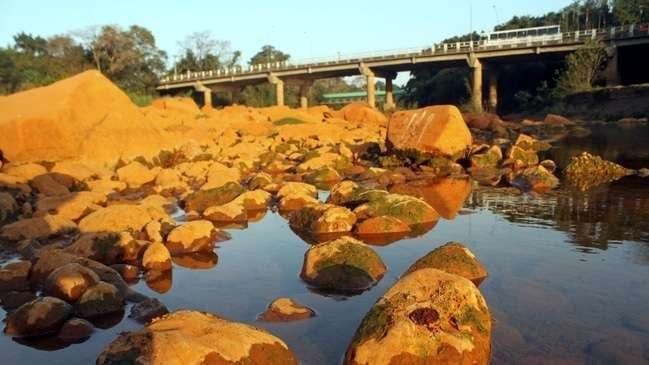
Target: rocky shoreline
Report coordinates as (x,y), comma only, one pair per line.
(90,184)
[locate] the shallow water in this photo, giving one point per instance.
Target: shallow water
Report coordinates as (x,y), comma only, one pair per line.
(568,279)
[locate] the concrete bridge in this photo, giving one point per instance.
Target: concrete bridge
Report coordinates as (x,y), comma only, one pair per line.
(477,55)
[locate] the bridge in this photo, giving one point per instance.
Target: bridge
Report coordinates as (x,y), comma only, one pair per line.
(385,64)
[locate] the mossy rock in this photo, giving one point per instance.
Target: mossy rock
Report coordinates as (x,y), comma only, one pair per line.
(453,258)
(203,199)
(586,171)
(489,159)
(427,317)
(535,178)
(408,209)
(324,174)
(527,157)
(344,264)
(322,218)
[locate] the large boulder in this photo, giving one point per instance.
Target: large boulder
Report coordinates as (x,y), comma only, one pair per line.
(344,264)
(156,257)
(195,338)
(70,281)
(36,228)
(453,258)
(39,317)
(85,116)
(135,174)
(427,317)
(232,212)
(193,236)
(8,205)
(254,200)
(72,206)
(410,210)
(116,218)
(362,113)
(438,130)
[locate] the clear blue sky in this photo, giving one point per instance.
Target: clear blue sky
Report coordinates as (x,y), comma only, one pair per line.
(304,29)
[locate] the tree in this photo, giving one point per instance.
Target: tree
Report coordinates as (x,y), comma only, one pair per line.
(630,11)
(582,67)
(268,54)
(201,51)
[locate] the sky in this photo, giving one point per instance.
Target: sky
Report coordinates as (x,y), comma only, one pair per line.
(304,29)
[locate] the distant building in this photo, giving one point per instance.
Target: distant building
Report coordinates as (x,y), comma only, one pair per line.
(336,100)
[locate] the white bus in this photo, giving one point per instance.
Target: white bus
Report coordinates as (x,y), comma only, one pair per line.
(536,34)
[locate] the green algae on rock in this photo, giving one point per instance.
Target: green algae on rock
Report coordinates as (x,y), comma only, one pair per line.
(586,171)
(427,317)
(203,199)
(344,264)
(453,258)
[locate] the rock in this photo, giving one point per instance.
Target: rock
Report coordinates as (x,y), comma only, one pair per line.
(232,212)
(528,143)
(489,159)
(554,119)
(76,330)
(322,218)
(438,130)
(259,180)
(176,104)
(147,310)
(218,177)
(26,171)
(381,225)
(70,281)
(643,172)
(39,317)
(104,186)
(481,120)
(50,259)
(194,338)
(294,188)
(46,185)
(84,117)
(192,236)
(297,201)
(327,159)
(452,258)
(37,228)
(156,257)
(116,218)
(153,231)
(107,248)
(344,264)
(99,299)
(254,200)
(408,209)
(72,206)
(427,317)
(203,199)
(15,276)
(535,178)
(129,273)
(549,165)
(586,171)
(526,157)
(350,194)
(8,206)
(362,113)
(170,180)
(13,299)
(322,175)
(285,310)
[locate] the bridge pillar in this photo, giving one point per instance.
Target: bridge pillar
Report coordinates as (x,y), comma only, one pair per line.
(493,90)
(305,86)
(371,87)
(476,92)
(207,93)
(612,70)
(279,89)
(235,95)
(389,92)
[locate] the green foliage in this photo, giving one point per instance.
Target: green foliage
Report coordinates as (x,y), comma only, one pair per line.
(445,86)
(140,99)
(268,54)
(581,69)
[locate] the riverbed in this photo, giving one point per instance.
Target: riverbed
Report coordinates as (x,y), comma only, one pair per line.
(567,274)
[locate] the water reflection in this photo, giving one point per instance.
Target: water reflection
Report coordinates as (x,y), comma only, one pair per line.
(158,281)
(595,219)
(196,260)
(446,195)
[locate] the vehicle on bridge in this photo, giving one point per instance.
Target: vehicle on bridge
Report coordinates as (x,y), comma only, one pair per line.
(545,33)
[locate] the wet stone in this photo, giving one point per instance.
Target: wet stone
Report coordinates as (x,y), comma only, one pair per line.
(76,330)
(286,309)
(38,317)
(148,309)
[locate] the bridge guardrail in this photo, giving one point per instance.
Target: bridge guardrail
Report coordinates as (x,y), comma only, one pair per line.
(617,32)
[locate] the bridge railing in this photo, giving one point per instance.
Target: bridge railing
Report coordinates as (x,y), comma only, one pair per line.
(618,32)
